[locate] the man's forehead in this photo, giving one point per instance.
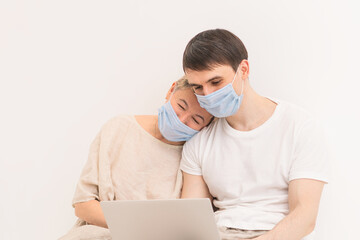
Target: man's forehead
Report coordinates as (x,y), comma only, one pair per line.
(200,77)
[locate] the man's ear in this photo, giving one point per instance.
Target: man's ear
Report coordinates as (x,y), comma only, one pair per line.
(245,69)
(171,90)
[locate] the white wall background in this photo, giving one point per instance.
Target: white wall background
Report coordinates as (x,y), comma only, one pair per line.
(68,66)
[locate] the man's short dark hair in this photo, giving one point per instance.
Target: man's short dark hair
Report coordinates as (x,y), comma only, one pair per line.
(213,48)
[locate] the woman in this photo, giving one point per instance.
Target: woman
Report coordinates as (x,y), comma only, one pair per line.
(136,158)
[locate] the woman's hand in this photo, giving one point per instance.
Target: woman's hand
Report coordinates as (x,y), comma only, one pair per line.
(91,212)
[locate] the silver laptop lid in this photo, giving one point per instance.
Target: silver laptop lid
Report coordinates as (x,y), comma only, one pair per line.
(178,219)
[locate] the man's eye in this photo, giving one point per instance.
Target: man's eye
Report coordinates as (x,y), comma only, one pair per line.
(181,107)
(215,82)
(197,87)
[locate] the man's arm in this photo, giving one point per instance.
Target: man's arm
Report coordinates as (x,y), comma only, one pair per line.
(194,186)
(304,199)
(91,212)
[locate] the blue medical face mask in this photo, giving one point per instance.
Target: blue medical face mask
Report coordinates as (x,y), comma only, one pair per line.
(223,102)
(171,127)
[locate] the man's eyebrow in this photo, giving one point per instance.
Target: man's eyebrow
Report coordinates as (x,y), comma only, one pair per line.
(211,79)
(214,78)
(184,102)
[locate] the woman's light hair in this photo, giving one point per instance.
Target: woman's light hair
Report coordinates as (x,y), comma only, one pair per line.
(182,83)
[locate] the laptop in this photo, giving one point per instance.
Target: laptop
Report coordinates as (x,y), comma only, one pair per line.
(178,219)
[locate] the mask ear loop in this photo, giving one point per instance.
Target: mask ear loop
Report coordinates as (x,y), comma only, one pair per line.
(237,70)
(242,82)
(242,87)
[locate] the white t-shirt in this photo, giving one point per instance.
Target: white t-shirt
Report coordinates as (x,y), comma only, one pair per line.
(248,172)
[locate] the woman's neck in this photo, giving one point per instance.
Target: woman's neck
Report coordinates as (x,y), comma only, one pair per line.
(150,124)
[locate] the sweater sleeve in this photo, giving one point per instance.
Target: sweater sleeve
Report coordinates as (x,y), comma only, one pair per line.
(88,185)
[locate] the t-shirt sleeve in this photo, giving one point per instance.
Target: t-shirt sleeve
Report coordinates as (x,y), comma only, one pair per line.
(88,186)
(190,162)
(310,159)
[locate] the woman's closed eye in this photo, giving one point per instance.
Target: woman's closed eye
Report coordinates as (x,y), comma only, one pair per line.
(195,121)
(198,119)
(181,106)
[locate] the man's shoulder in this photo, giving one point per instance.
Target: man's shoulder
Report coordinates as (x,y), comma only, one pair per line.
(299,121)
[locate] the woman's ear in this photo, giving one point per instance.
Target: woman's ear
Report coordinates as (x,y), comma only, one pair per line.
(171,90)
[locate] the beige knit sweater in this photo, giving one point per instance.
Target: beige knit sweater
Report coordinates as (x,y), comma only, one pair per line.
(127,163)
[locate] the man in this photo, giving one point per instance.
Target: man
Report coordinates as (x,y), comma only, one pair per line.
(263,161)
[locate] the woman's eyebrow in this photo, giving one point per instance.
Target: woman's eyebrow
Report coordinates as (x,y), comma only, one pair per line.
(184,102)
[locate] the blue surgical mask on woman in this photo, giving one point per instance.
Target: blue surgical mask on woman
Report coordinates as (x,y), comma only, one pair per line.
(223,102)
(171,127)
